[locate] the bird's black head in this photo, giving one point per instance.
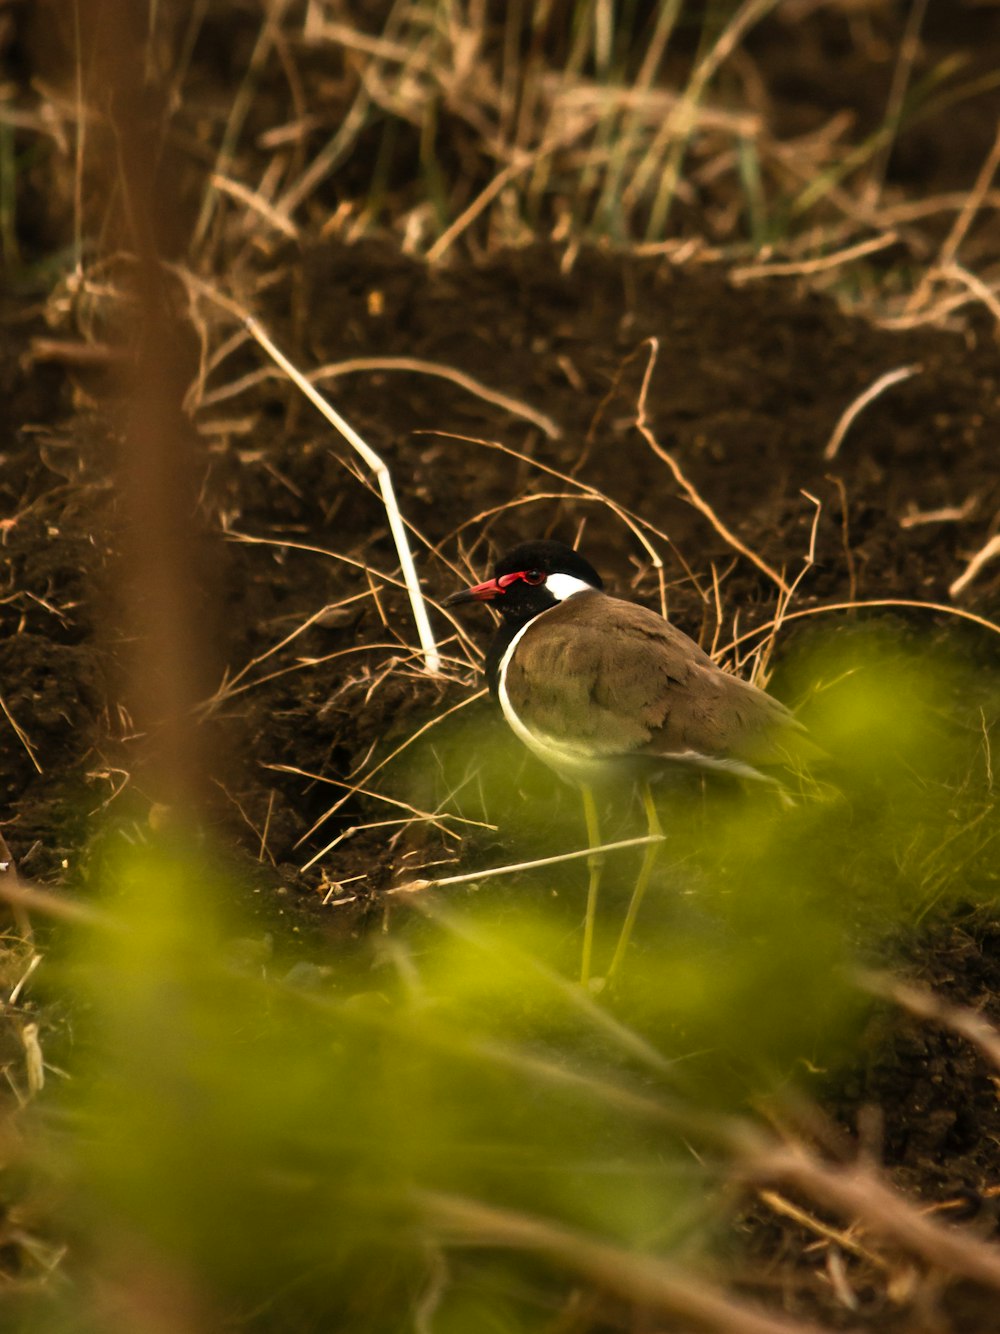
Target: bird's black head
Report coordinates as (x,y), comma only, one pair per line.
(531,578)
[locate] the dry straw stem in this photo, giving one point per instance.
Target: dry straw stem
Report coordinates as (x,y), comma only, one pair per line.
(432,659)
(989,552)
(924,1004)
(633,522)
(975,285)
(523,163)
(822,264)
(651,1283)
(857,606)
(413,886)
(762,654)
(914,518)
(847,419)
(370,774)
(702,506)
(416,815)
(256,202)
(960,228)
(834,1235)
(859,1193)
(25,898)
(516,407)
(361,365)
(242,103)
(21,735)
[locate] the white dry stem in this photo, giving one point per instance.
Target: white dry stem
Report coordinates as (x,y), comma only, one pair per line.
(989,552)
(432,659)
(412,886)
(34,1062)
(848,418)
(24,979)
(512,868)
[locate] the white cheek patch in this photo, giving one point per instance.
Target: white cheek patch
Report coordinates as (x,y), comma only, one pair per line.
(563,586)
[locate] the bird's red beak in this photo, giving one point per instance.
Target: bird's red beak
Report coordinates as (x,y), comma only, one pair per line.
(493,588)
(478,593)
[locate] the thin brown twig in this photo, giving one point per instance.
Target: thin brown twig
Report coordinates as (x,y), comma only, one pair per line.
(370,774)
(21,735)
(633,522)
(845,536)
(821,264)
(855,606)
(694,497)
(419,366)
(960,227)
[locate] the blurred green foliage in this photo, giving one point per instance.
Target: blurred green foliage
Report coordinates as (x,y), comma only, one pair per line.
(262,1147)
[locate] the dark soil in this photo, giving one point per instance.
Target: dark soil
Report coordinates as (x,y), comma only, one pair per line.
(748,386)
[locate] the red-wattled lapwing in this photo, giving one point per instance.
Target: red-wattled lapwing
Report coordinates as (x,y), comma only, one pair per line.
(602,689)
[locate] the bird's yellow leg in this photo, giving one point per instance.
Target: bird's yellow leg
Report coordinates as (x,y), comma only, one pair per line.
(655,830)
(594,863)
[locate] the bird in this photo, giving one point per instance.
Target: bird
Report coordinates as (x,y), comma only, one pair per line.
(606,691)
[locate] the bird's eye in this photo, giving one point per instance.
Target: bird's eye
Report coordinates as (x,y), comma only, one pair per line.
(534,576)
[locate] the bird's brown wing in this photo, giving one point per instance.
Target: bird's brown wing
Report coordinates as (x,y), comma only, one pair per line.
(610,678)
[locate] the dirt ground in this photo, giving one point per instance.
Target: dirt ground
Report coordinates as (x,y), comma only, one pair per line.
(747,388)
(748,385)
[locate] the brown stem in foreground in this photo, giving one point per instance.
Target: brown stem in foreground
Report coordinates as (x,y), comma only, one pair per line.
(642,1279)
(858,1193)
(160,578)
